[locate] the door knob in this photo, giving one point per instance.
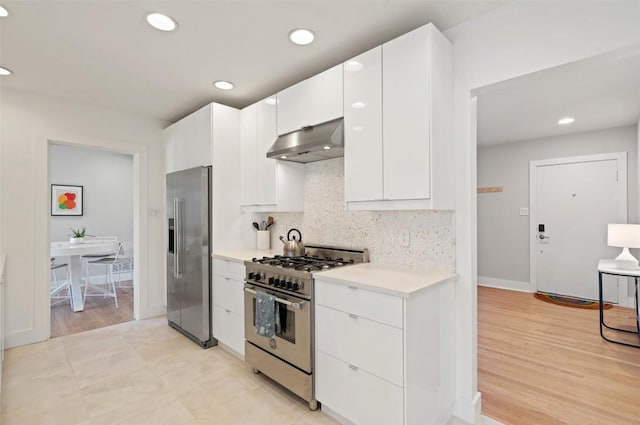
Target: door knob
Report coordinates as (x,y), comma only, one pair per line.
(541,237)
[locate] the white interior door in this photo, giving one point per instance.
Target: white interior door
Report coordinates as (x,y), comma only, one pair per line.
(572,200)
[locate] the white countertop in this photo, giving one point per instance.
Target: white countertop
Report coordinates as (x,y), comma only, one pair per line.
(390,279)
(242,255)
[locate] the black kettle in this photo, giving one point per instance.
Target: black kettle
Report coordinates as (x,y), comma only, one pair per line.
(292,247)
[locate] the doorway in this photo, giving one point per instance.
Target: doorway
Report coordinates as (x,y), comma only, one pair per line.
(104,184)
(519,133)
(571,202)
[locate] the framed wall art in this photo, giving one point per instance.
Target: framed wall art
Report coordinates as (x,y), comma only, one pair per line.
(66,200)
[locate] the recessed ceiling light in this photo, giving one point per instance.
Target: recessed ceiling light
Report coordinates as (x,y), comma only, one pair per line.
(271,101)
(3,12)
(357,105)
(567,120)
(326,148)
(161,21)
(354,66)
(301,36)
(5,71)
(283,157)
(223,85)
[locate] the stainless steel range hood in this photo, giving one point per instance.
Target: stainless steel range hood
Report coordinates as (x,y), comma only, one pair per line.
(312,143)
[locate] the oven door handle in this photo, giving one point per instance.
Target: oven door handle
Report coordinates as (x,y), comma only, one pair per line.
(297,306)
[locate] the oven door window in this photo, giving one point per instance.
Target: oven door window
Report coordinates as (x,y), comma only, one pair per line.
(285,322)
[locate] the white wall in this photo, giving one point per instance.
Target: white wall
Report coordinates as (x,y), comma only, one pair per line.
(28,123)
(107,180)
(637,173)
(516,39)
(507,165)
(325,221)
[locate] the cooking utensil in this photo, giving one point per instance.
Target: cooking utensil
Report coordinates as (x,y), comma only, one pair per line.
(292,247)
(263,225)
(256,225)
(269,221)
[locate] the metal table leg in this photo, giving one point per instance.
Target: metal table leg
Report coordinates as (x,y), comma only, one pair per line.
(602,322)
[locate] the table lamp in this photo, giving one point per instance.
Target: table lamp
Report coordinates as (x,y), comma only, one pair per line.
(624,236)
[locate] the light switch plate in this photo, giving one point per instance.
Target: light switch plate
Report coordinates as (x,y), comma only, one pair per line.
(524,211)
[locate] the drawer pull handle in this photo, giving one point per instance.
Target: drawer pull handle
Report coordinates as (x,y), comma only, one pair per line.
(353,287)
(352,367)
(228,311)
(226,278)
(353,316)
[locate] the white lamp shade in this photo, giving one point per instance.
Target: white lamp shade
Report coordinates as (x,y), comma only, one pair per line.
(623,235)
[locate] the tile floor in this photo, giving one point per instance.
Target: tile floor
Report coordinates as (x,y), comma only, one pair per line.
(139,373)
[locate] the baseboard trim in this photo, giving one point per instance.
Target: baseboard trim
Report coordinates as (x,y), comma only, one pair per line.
(26,337)
(468,410)
(513,285)
(153,311)
(485,420)
(335,415)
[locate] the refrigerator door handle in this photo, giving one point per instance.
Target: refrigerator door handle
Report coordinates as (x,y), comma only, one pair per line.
(177,238)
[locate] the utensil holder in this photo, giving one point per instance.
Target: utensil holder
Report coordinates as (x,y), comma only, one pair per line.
(263,240)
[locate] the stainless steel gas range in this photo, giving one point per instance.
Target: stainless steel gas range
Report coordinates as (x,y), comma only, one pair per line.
(287,357)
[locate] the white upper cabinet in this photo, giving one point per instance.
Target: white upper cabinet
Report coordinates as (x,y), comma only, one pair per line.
(313,101)
(406,94)
(290,110)
(398,124)
(189,141)
(266,184)
(266,135)
(248,155)
(363,126)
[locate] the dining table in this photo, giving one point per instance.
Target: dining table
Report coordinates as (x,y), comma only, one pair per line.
(75,251)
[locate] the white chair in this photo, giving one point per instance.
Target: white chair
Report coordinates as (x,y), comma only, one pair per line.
(107,287)
(58,287)
(124,264)
(84,260)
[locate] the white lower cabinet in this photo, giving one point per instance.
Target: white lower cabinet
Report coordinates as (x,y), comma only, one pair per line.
(373,346)
(228,303)
(357,395)
(383,359)
(228,327)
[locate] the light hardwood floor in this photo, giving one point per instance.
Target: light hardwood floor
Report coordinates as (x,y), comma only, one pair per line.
(540,363)
(98,312)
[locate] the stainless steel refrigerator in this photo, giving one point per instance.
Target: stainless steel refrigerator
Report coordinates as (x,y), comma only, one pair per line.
(189,254)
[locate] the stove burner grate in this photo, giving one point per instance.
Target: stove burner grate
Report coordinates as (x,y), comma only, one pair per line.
(307,263)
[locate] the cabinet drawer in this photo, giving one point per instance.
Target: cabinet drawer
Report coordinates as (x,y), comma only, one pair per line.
(228,328)
(357,395)
(230,269)
(228,294)
(372,305)
(372,346)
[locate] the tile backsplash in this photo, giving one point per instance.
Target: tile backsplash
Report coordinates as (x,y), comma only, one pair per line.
(325,221)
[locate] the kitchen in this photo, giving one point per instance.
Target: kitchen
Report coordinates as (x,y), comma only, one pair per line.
(484,49)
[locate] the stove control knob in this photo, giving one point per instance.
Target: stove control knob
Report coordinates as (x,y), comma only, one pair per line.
(271,281)
(289,285)
(250,276)
(296,286)
(276,282)
(257,276)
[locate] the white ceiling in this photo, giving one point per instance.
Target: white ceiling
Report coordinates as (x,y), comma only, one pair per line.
(104,53)
(600,92)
